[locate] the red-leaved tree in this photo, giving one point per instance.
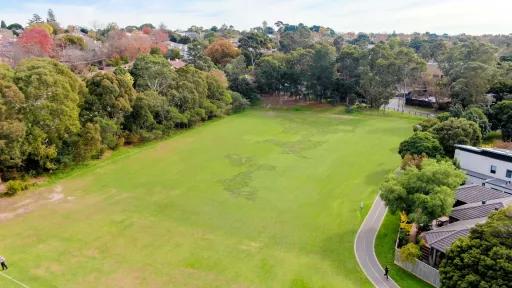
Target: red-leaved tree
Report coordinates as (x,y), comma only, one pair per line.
(36,42)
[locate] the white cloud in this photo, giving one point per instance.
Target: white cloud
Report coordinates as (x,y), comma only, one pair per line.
(440,16)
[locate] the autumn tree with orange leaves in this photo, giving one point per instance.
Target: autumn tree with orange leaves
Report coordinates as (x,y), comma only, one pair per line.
(222,52)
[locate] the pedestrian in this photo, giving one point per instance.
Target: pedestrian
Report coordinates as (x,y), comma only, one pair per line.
(386,272)
(2,262)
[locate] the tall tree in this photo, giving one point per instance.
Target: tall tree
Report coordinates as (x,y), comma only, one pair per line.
(52,94)
(152,72)
(321,72)
(252,44)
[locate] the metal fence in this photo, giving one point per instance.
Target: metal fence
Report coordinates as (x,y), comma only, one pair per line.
(421,269)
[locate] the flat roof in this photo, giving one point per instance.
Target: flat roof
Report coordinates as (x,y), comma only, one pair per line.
(499,154)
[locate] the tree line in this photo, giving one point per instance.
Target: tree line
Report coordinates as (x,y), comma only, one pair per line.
(51,118)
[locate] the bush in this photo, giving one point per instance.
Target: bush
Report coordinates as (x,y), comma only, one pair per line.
(239,103)
(14,186)
(426,124)
(421,143)
(358,107)
(409,253)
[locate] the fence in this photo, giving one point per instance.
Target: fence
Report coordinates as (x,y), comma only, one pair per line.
(421,269)
(410,112)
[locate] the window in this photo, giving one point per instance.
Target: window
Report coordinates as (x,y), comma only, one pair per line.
(508,174)
(493,169)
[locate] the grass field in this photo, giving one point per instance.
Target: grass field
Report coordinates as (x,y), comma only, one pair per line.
(385,251)
(260,199)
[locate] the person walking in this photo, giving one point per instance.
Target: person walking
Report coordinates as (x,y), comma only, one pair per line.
(386,272)
(2,262)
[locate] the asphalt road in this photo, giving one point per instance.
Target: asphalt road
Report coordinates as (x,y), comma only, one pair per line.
(365,243)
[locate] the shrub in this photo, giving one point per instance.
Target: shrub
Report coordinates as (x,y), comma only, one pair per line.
(426,124)
(358,107)
(409,253)
(14,186)
(239,103)
(421,143)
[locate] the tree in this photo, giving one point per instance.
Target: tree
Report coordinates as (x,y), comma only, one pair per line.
(252,44)
(52,21)
(292,37)
(457,131)
(239,103)
(222,51)
(380,74)
(268,72)
(35,19)
(36,41)
(501,118)
(3,25)
(197,57)
(89,143)
(152,72)
(12,130)
(321,72)
(483,258)
(52,94)
(470,67)
(425,194)
(110,96)
(409,253)
(476,115)
(471,83)
(421,143)
(349,62)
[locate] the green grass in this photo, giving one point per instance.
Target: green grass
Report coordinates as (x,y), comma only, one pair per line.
(385,251)
(260,199)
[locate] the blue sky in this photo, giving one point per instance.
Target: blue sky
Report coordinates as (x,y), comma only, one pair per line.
(439,16)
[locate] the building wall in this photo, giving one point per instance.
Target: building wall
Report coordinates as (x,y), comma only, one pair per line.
(482,164)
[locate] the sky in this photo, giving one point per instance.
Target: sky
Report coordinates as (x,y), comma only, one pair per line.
(403,16)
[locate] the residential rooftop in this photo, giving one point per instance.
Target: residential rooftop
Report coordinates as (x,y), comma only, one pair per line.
(477,193)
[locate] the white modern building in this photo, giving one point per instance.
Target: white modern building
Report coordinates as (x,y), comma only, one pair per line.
(489,167)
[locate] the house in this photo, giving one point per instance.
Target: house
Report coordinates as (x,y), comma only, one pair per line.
(474,203)
(183,48)
(489,167)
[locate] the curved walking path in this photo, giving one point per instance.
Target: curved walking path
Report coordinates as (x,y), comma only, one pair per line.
(365,243)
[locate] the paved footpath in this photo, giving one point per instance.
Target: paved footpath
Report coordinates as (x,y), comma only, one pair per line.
(365,243)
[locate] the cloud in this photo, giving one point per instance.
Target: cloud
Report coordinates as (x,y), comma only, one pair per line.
(439,16)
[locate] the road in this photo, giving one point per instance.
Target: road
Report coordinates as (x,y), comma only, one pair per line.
(365,243)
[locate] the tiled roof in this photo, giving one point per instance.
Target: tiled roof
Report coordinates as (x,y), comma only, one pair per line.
(443,237)
(444,243)
(478,193)
(479,209)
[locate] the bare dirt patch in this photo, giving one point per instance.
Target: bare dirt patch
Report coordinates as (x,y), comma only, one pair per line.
(12,207)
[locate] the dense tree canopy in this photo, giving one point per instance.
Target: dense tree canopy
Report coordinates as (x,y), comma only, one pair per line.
(457,131)
(222,52)
(421,143)
(423,194)
(502,118)
(483,258)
